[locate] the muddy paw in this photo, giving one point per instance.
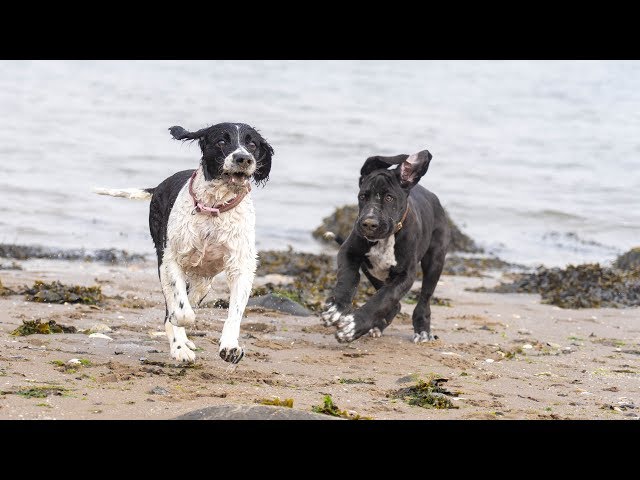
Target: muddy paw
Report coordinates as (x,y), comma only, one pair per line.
(423,337)
(182,353)
(232,354)
(346,329)
(331,315)
(375,332)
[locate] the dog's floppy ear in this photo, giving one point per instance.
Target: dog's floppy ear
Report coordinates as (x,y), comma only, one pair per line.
(180,133)
(263,163)
(378,162)
(413,168)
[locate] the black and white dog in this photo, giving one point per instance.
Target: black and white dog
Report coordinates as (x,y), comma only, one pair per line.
(400,225)
(202,223)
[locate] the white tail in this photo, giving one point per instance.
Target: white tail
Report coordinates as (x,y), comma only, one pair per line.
(133,193)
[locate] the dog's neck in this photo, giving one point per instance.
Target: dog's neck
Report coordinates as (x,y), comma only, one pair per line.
(212,192)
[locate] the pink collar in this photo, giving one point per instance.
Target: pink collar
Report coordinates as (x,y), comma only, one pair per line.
(221,207)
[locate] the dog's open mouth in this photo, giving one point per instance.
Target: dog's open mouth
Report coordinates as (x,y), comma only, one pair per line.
(238,179)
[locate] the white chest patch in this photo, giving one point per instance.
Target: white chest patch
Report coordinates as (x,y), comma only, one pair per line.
(204,245)
(382,257)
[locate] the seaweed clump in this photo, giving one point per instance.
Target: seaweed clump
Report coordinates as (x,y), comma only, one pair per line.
(314,277)
(331,409)
(582,286)
(4,291)
(474,266)
(428,394)
(276,402)
(56,292)
(341,221)
(412,298)
(25,252)
(30,327)
(629,260)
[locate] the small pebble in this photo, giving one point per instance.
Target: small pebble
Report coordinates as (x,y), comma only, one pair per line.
(489,360)
(527,346)
(159,391)
(74,361)
(100,335)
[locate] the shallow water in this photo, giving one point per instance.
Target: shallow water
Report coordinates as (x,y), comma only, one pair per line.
(538,161)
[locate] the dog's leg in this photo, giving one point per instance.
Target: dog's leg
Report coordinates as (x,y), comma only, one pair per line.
(379,327)
(198,290)
(174,287)
(339,304)
(432,265)
(240,269)
(381,306)
(178,308)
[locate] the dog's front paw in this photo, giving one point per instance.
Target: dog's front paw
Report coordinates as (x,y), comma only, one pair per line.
(182,353)
(346,329)
(423,337)
(332,315)
(231,354)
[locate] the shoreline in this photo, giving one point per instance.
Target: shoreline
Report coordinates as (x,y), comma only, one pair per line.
(505,355)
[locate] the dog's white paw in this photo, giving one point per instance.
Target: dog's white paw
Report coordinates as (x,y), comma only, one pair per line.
(181,352)
(346,329)
(190,344)
(183,317)
(423,337)
(331,316)
(375,332)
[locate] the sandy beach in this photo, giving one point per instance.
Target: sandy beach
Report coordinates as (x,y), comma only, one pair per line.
(505,356)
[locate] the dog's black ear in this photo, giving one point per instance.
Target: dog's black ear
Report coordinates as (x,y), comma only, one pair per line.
(378,162)
(263,162)
(180,133)
(413,168)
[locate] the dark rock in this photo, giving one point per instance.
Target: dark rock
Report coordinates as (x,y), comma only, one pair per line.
(277,302)
(252,412)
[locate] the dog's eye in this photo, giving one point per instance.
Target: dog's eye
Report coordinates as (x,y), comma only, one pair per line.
(251,146)
(221,143)
(388,198)
(362,196)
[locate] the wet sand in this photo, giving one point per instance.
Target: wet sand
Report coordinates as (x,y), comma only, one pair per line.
(507,356)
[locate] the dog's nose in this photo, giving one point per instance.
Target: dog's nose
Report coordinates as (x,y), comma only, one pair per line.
(242,159)
(370,223)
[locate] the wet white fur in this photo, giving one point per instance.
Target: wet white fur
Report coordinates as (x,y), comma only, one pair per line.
(199,247)
(133,193)
(382,257)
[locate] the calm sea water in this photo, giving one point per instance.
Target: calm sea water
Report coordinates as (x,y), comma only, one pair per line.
(539,161)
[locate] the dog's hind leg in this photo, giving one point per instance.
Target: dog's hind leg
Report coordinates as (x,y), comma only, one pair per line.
(198,289)
(432,264)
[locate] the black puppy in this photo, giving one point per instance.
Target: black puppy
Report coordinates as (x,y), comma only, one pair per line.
(400,225)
